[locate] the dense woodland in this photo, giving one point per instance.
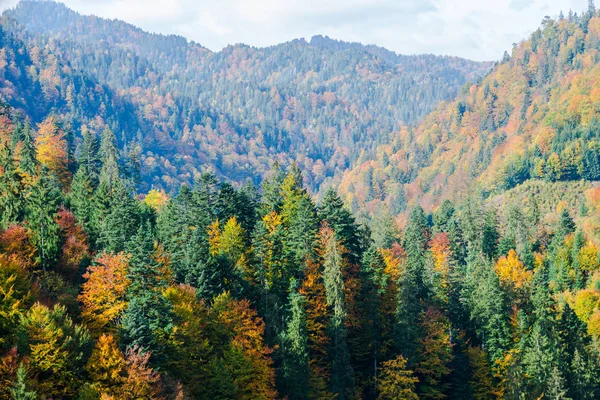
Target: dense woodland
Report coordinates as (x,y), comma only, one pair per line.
(534,117)
(214,286)
(252,293)
(180,107)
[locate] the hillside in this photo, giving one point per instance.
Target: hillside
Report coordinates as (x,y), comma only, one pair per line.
(318,103)
(223,291)
(534,117)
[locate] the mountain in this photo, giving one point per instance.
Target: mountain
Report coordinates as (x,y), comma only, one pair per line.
(534,117)
(319,104)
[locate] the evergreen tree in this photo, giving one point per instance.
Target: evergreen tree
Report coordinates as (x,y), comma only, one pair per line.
(42,208)
(295,373)
(340,219)
(12,202)
(412,291)
(109,154)
(20,391)
(342,379)
(28,161)
(89,156)
(147,318)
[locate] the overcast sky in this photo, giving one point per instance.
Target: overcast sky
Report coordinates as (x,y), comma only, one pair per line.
(475,29)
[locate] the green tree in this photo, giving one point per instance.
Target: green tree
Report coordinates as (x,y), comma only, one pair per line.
(42,208)
(295,373)
(20,391)
(109,154)
(342,375)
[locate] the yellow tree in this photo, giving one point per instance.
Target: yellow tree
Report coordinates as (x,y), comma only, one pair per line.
(103,297)
(156,199)
(107,367)
(513,275)
(51,147)
(396,381)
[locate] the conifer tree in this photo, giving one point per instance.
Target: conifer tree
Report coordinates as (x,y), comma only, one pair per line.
(342,379)
(42,208)
(109,154)
(294,342)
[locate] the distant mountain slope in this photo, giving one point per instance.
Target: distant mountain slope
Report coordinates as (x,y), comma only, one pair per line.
(535,116)
(319,104)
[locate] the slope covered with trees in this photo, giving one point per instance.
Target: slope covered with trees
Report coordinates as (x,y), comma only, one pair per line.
(259,293)
(318,103)
(534,117)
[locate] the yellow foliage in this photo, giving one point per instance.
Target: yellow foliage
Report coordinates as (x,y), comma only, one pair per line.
(512,273)
(588,258)
(51,148)
(587,302)
(103,293)
(156,199)
(106,366)
(396,381)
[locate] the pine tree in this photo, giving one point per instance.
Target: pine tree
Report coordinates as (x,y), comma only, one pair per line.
(412,291)
(109,154)
(82,202)
(27,155)
(339,218)
(122,219)
(42,207)
(20,391)
(12,202)
(89,156)
(342,379)
(295,370)
(148,315)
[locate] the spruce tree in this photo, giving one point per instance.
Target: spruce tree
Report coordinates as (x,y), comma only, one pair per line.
(342,375)
(42,208)
(295,372)
(109,154)
(148,317)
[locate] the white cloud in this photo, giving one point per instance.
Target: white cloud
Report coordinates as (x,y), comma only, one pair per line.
(476,29)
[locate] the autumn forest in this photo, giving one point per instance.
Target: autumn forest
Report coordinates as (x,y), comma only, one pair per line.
(313,220)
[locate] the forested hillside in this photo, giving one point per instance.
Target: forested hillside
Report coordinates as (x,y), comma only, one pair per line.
(487,285)
(259,293)
(535,116)
(318,104)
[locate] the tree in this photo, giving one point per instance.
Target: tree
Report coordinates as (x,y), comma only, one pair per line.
(89,157)
(52,148)
(481,380)
(107,366)
(395,381)
(42,208)
(412,291)
(57,349)
(147,318)
(103,294)
(109,154)
(342,222)
(295,368)
(332,252)
(12,202)
(20,391)
(434,355)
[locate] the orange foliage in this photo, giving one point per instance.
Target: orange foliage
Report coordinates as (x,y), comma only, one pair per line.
(15,242)
(75,247)
(103,293)
(51,148)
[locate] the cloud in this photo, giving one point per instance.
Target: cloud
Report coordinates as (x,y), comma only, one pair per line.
(476,29)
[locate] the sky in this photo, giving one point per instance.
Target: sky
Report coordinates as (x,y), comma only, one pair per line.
(474,29)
